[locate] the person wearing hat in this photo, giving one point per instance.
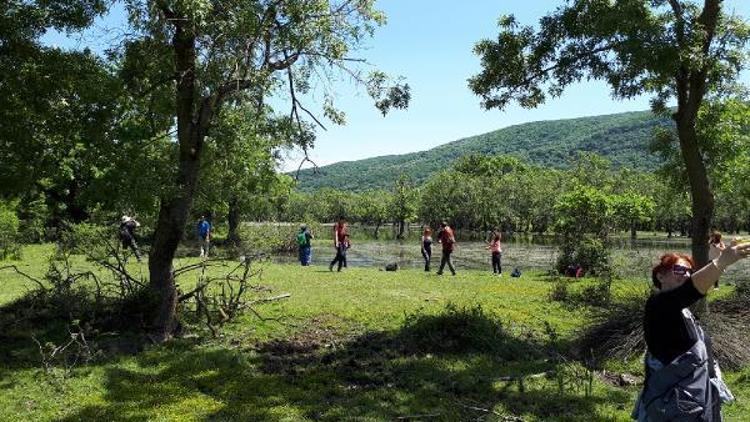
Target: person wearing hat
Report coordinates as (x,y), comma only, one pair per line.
(127,235)
(305,247)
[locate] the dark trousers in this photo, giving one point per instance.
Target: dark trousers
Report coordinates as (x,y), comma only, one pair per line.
(427,255)
(496,266)
(305,255)
(129,242)
(340,258)
(446,259)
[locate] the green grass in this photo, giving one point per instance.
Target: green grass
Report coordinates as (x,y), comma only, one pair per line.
(358,345)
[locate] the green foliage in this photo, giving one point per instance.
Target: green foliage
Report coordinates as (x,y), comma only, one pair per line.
(623,138)
(34,215)
(592,254)
(10,246)
(272,237)
(585,209)
(635,46)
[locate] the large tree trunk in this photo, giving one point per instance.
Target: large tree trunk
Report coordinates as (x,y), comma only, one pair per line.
(174,211)
(700,190)
(400,229)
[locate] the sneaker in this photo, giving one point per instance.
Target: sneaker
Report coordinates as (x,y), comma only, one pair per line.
(439,273)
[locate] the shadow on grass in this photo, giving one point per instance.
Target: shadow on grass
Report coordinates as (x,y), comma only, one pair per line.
(458,365)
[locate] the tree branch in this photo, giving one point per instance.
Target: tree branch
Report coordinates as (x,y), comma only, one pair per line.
(34,279)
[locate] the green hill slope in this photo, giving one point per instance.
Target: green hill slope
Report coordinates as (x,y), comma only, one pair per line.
(623,138)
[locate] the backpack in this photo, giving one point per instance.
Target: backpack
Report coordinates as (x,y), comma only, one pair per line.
(302,238)
(515,273)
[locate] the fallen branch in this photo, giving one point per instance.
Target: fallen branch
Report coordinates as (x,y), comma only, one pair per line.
(522,377)
(269,299)
(429,415)
(34,279)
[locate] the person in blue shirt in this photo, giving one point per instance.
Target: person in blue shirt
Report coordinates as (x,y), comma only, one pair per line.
(204,236)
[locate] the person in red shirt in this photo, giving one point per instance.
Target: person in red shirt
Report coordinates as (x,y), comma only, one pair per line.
(448,240)
(497,251)
(341,243)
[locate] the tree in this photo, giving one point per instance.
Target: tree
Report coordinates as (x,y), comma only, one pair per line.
(212,53)
(373,206)
(239,170)
(58,107)
(632,210)
(403,207)
(668,48)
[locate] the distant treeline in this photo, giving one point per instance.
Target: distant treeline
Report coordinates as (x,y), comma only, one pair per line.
(622,138)
(486,192)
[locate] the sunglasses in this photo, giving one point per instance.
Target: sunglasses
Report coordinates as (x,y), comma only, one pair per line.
(681,270)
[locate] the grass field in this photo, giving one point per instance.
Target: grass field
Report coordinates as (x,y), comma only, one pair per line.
(358,345)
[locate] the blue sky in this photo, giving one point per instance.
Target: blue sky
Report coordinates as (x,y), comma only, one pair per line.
(430,42)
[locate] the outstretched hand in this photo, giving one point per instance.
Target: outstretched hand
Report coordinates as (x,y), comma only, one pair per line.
(735,252)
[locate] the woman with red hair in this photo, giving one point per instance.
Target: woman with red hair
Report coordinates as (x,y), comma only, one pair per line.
(683,382)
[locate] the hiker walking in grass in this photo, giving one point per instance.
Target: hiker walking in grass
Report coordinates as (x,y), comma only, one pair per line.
(447,238)
(341,243)
(427,247)
(682,380)
(715,246)
(305,247)
(497,251)
(127,235)
(204,236)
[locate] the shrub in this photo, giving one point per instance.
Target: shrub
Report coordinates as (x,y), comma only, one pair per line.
(9,224)
(590,253)
(559,292)
(33,214)
(273,237)
(466,330)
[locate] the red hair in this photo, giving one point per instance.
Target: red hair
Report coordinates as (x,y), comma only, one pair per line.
(666,262)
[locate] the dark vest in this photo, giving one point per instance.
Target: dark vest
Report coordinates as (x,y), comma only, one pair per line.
(688,389)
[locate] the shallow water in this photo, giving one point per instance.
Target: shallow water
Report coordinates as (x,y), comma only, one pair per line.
(630,258)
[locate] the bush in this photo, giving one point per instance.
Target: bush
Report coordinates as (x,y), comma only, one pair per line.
(88,239)
(33,214)
(273,237)
(591,254)
(559,292)
(9,239)
(466,330)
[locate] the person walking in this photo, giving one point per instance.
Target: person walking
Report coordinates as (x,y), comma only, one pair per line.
(447,238)
(127,235)
(682,380)
(497,252)
(340,242)
(304,238)
(427,247)
(204,236)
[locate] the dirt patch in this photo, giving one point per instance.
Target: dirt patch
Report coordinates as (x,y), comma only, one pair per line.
(319,336)
(620,379)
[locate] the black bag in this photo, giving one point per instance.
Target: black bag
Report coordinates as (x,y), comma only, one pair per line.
(515,273)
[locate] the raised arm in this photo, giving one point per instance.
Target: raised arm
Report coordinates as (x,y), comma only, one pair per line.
(705,278)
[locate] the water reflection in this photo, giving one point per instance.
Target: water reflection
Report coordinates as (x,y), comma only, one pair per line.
(632,258)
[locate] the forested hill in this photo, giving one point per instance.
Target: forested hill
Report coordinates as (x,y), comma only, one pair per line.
(623,138)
